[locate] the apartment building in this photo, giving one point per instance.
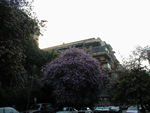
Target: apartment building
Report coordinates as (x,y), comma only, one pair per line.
(99,49)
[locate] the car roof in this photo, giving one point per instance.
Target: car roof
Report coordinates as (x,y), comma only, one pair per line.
(7,107)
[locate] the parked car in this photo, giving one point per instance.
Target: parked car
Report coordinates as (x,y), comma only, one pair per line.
(115,109)
(68,110)
(85,110)
(40,108)
(104,109)
(124,107)
(132,109)
(8,110)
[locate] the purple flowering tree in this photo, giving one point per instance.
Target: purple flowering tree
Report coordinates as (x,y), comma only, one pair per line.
(74,79)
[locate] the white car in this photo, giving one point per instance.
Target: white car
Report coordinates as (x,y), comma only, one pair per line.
(101,109)
(115,109)
(8,110)
(132,109)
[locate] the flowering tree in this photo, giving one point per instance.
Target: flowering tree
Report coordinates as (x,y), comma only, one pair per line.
(75,78)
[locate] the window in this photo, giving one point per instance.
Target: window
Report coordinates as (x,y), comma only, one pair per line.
(79,45)
(107,66)
(102,58)
(106,50)
(93,44)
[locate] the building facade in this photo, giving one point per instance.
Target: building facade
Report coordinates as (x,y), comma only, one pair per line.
(99,49)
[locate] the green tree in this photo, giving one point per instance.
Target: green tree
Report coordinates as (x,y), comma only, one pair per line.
(133,83)
(20,57)
(16,31)
(132,87)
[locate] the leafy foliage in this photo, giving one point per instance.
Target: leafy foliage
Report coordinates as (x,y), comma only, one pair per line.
(132,87)
(17,30)
(74,79)
(11,68)
(21,60)
(16,24)
(133,83)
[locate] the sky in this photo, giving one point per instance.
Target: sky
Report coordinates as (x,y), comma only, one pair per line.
(124,24)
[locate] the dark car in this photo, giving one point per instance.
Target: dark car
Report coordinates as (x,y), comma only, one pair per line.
(124,107)
(85,110)
(40,108)
(68,110)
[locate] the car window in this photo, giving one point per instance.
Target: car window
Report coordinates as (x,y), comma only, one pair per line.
(48,106)
(132,108)
(8,111)
(43,108)
(35,107)
(1,110)
(99,108)
(70,109)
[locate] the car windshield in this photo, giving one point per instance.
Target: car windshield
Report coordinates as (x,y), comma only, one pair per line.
(132,108)
(106,107)
(67,109)
(114,107)
(85,108)
(99,108)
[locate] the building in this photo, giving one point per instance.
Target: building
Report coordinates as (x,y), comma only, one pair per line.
(96,47)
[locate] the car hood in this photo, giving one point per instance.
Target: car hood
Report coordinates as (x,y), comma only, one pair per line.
(131,111)
(30,111)
(63,112)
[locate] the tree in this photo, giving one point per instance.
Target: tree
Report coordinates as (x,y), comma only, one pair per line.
(137,58)
(11,68)
(21,60)
(132,87)
(16,32)
(133,83)
(73,79)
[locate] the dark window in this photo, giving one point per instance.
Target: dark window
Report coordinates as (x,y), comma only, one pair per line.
(78,45)
(93,44)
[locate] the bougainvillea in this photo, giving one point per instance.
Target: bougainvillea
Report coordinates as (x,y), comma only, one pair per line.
(75,77)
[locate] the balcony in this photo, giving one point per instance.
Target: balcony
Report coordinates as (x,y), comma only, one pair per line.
(100,51)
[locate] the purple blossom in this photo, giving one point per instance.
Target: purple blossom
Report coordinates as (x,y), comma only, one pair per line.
(73,75)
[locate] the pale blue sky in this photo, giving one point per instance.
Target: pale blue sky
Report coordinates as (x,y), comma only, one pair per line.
(124,24)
